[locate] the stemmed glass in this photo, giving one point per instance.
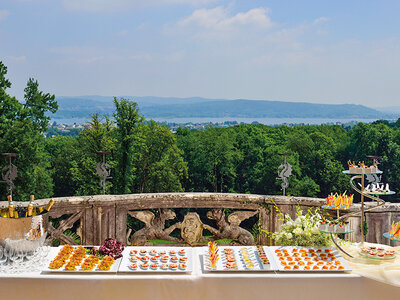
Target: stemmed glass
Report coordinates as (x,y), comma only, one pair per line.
(3,259)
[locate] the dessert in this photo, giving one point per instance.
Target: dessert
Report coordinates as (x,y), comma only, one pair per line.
(377,188)
(361,168)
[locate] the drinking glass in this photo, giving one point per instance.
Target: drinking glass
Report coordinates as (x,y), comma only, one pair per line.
(3,259)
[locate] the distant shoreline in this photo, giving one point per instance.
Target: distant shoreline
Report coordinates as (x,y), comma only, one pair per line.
(265,121)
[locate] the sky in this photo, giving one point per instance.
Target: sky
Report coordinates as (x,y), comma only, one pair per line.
(318,51)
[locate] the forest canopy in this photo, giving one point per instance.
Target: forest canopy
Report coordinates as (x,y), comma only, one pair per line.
(146,157)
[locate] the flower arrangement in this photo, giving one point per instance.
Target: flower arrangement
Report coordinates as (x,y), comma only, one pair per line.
(303,231)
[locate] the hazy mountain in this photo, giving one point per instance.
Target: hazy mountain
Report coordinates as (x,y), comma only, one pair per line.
(159,107)
(389,109)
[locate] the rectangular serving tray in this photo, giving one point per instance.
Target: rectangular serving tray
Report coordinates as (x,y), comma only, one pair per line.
(54,252)
(125,263)
(289,248)
(241,267)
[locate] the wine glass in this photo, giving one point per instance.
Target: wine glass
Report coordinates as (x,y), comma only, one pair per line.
(3,259)
(10,254)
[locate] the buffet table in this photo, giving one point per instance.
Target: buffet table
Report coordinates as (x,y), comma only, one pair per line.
(195,285)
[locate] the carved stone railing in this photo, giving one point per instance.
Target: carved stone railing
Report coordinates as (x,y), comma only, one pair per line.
(96,218)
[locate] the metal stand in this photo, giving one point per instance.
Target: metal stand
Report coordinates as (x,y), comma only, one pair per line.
(340,248)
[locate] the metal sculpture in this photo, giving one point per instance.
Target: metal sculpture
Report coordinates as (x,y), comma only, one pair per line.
(374,178)
(284,172)
(103,170)
(9,172)
(228,227)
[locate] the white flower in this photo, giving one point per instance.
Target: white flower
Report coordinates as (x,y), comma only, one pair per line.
(298,231)
(289,236)
(314,230)
(289,223)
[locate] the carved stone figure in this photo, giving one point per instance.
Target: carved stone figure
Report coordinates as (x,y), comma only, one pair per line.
(192,229)
(154,227)
(228,227)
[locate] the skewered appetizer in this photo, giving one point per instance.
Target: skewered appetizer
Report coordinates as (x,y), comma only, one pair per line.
(339,201)
(394,231)
(213,254)
(262,255)
(229,259)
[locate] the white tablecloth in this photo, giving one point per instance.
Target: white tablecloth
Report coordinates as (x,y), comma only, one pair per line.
(197,285)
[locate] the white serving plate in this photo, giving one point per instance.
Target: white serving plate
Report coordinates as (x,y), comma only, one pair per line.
(241,266)
(54,252)
(125,263)
(289,248)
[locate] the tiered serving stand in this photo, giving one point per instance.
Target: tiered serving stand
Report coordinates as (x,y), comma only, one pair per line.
(363,209)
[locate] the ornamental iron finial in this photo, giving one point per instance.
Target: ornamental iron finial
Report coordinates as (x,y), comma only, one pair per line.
(103,170)
(10,172)
(284,172)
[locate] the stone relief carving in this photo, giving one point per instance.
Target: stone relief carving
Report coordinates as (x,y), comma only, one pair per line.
(192,229)
(154,227)
(228,227)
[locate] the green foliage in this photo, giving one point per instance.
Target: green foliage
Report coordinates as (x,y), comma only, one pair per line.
(127,119)
(147,157)
(21,128)
(158,161)
(303,231)
(37,104)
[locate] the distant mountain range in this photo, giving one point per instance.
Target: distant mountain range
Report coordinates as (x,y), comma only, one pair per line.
(196,107)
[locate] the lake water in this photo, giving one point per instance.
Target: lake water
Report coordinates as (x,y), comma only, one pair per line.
(266,121)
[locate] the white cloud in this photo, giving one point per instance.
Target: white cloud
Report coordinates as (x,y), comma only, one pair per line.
(218,19)
(17,58)
(107,6)
(123,32)
(320,20)
(141,57)
(4,14)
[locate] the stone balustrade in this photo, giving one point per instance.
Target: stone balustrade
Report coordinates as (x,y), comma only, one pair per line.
(95,218)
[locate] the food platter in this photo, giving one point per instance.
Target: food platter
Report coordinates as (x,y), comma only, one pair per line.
(81,267)
(308,259)
(157,260)
(241,259)
(342,207)
(377,253)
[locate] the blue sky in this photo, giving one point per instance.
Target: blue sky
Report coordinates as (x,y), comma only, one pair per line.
(317,51)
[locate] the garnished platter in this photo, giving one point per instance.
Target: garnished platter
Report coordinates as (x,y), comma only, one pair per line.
(239,258)
(157,260)
(80,259)
(308,259)
(377,252)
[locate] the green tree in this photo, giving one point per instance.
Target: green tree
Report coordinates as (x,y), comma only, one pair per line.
(127,119)
(158,161)
(37,104)
(20,134)
(95,138)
